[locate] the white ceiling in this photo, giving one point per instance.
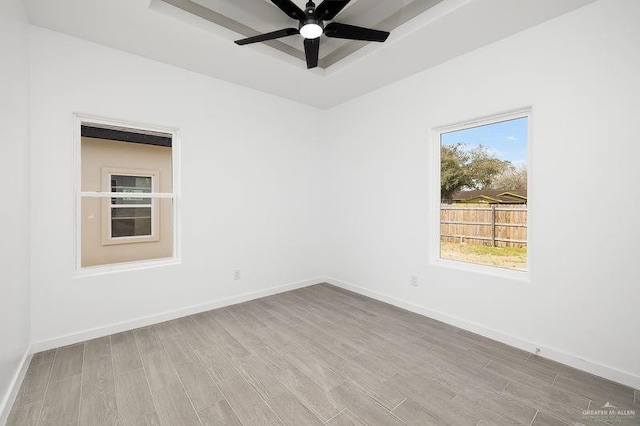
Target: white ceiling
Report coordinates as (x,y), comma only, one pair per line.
(175,35)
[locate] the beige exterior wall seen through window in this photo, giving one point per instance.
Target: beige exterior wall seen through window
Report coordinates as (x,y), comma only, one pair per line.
(101,159)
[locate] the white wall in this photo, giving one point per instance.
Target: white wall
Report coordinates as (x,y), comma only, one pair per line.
(247,187)
(14,173)
(579,72)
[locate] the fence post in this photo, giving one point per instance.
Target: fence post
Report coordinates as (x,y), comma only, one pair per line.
(493,225)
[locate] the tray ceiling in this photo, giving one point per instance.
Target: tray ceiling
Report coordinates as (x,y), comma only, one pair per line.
(196,35)
(252,17)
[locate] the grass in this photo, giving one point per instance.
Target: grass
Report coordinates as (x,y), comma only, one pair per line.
(505,257)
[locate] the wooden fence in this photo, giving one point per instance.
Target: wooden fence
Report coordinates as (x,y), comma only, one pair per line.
(502,225)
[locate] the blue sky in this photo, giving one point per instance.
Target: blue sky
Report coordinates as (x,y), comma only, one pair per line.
(507,139)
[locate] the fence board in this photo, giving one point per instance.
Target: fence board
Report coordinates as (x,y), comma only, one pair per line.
(497,225)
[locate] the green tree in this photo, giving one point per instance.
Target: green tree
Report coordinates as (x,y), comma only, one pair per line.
(484,167)
(477,168)
(454,173)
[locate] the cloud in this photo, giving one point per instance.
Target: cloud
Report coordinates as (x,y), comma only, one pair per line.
(511,138)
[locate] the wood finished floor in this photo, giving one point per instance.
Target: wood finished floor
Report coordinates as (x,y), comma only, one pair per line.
(318,355)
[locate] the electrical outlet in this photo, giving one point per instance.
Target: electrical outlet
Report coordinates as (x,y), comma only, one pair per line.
(237,274)
(414,281)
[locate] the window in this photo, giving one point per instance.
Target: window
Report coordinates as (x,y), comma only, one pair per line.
(126,200)
(482,194)
(134,219)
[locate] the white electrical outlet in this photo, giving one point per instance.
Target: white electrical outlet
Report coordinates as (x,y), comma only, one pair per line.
(237,274)
(414,281)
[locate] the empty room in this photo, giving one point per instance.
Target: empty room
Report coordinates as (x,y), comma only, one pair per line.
(340,212)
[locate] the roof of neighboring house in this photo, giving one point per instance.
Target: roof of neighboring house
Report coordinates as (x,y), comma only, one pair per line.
(498,196)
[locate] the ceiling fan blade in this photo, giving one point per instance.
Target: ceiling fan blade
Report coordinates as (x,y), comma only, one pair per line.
(312,51)
(290,8)
(351,32)
(268,36)
(328,9)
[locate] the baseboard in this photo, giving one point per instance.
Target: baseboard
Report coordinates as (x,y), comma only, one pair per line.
(94,333)
(554,354)
(14,387)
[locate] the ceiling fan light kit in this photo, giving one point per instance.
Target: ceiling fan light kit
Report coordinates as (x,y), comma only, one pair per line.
(311,27)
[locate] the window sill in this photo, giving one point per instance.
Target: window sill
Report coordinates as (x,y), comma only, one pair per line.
(496,271)
(90,271)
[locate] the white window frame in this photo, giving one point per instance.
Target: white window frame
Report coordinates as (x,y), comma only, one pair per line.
(435,196)
(107,207)
(86,119)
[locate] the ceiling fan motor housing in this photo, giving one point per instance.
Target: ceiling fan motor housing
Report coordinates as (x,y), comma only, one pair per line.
(310,9)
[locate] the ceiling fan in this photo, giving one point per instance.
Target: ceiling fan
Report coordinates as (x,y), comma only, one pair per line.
(311,27)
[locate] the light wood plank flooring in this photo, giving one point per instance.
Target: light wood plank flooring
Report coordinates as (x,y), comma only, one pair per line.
(318,355)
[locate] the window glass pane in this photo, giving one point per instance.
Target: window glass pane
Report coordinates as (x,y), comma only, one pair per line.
(131,212)
(97,154)
(120,183)
(483,212)
(129,228)
(128,235)
(131,184)
(130,222)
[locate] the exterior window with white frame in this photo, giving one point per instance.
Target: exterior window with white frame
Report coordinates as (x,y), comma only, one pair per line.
(132,219)
(126,197)
(483,198)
